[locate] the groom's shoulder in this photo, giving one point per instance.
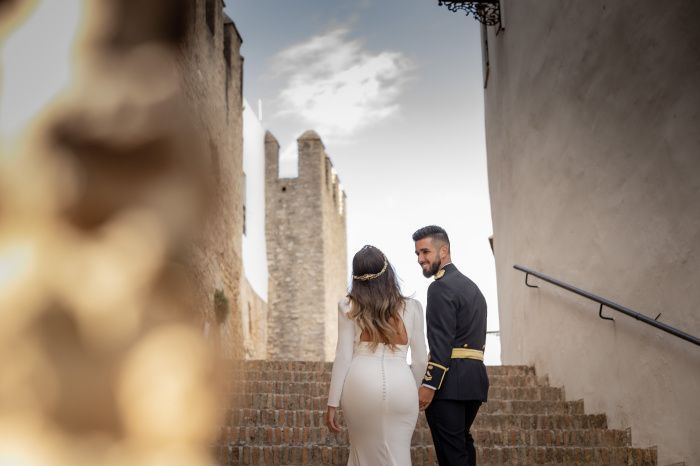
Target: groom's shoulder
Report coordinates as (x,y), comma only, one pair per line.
(439,286)
(435,285)
(454,284)
(458,278)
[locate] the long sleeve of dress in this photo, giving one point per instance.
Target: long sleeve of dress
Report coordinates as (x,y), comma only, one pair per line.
(419,354)
(343,354)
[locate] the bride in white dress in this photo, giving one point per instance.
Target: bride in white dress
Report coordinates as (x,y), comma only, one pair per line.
(371,379)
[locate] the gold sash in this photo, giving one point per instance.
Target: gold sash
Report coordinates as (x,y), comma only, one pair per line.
(467,353)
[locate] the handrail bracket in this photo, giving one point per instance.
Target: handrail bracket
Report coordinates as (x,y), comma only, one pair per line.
(528,284)
(600,313)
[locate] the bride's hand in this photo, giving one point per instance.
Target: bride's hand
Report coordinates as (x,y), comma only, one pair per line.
(331,420)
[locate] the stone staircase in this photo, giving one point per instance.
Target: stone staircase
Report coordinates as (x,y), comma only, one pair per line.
(277,411)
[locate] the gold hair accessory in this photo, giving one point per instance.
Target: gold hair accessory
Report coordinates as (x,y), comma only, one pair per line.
(370,276)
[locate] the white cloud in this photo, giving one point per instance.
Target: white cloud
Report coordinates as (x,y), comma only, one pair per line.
(336,86)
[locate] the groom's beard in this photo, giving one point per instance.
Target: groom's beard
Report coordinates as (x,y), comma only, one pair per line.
(434,267)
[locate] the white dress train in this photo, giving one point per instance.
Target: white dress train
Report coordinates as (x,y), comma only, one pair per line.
(377,389)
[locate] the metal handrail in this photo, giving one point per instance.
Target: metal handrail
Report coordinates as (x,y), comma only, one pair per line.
(609,304)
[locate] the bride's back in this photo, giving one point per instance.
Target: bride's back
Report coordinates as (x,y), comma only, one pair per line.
(400,337)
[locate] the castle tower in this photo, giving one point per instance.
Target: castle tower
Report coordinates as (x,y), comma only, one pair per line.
(306,250)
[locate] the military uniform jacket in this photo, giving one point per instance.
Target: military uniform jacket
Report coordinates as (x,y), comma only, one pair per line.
(455,318)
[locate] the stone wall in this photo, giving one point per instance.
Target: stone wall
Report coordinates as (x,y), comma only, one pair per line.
(335,272)
(253,322)
(592,124)
(211,66)
(306,246)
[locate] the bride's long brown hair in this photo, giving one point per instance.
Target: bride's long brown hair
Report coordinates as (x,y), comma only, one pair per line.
(375,296)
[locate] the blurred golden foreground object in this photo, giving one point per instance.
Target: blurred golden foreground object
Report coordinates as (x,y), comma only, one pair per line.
(100,188)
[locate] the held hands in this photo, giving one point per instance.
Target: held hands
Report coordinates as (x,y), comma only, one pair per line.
(425,397)
(332,420)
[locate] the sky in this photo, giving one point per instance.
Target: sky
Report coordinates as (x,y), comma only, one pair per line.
(394,88)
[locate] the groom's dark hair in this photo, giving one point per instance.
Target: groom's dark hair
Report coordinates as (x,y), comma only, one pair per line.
(433,232)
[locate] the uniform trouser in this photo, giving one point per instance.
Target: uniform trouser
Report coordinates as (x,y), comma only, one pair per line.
(450,421)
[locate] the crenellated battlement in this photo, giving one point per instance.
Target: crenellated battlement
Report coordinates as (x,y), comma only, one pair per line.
(306,247)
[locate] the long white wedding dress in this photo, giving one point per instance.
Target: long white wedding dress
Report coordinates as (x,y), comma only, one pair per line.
(377,389)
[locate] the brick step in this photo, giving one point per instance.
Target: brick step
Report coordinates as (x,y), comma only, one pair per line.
(527,380)
(320,367)
(318,455)
(246,417)
(300,436)
(497,392)
(298,401)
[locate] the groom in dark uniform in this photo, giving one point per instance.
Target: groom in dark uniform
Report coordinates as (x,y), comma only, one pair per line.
(455,382)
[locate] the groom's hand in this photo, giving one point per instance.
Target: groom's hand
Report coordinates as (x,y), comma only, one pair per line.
(425,397)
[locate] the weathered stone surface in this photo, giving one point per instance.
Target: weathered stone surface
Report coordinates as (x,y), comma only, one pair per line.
(306,247)
(253,322)
(211,65)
